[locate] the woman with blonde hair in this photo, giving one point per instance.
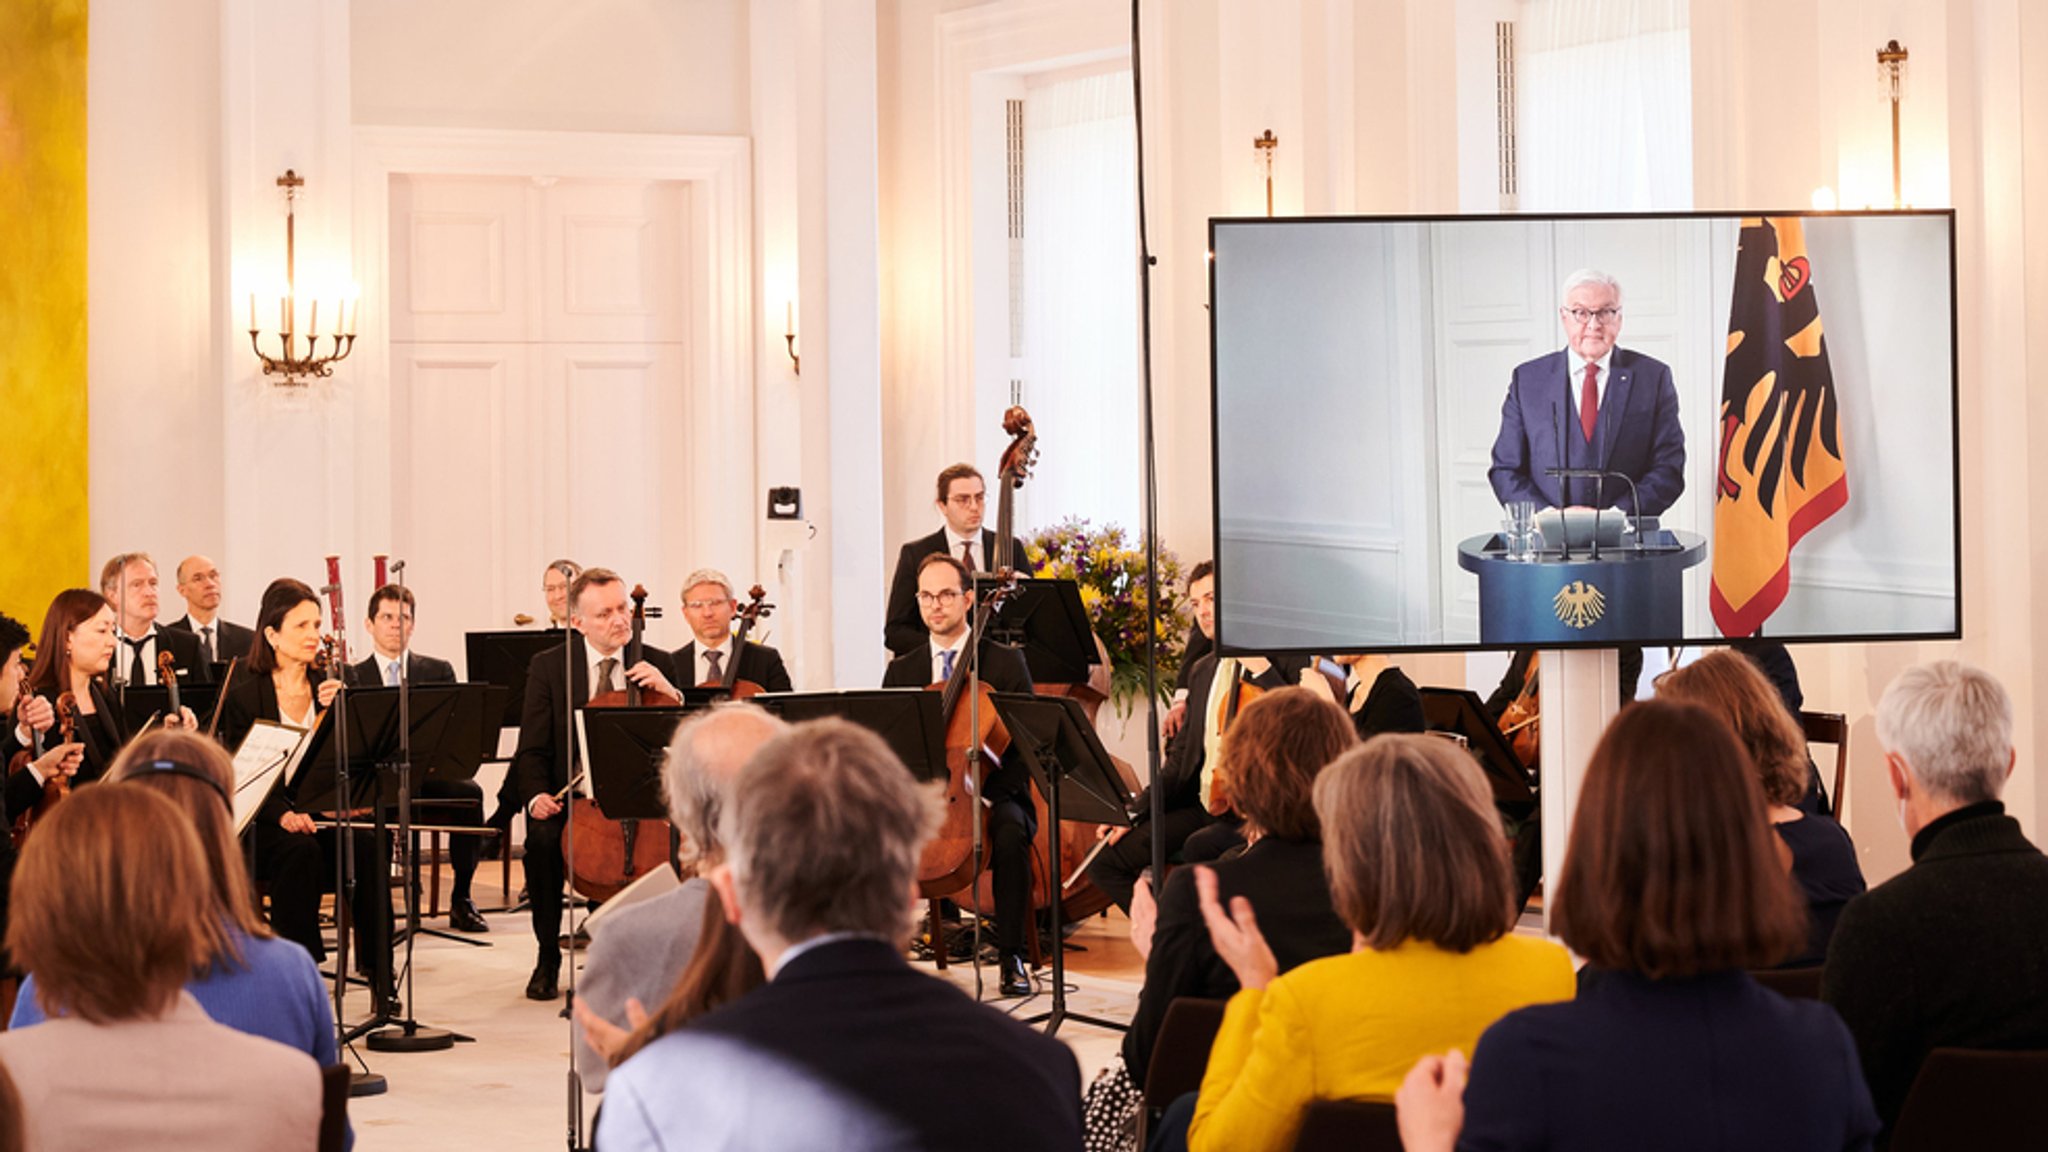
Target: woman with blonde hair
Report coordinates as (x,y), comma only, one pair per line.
(249,980)
(1729,685)
(113,911)
(1418,868)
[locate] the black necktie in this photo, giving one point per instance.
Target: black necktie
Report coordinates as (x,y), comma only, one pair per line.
(138,671)
(206,643)
(712,659)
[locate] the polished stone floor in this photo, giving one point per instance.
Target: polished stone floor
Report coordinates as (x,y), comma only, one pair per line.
(509,1088)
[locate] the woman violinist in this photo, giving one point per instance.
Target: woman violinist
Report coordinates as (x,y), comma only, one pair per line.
(294,857)
(72,657)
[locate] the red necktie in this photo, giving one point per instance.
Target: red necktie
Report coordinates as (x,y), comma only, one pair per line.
(967,554)
(1589,402)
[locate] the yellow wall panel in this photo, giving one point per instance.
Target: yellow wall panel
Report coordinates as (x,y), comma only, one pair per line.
(43,529)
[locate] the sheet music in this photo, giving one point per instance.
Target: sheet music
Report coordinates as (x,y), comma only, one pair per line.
(269,752)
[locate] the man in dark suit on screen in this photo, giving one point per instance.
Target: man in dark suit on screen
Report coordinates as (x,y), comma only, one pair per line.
(846,1046)
(962,499)
(709,607)
(1590,405)
(390,620)
(601,622)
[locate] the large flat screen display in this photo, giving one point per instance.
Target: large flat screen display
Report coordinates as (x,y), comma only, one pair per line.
(1581,431)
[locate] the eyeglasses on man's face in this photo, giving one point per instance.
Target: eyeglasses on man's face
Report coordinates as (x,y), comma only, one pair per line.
(942,596)
(1585,316)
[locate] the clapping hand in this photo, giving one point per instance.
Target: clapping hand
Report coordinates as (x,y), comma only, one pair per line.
(1431,1103)
(1235,934)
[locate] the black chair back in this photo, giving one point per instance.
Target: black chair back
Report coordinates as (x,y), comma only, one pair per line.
(1983,1101)
(333,1107)
(1180,1054)
(1793,983)
(1348,1126)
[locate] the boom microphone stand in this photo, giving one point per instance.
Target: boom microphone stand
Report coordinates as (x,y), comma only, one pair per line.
(364,1082)
(1150,457)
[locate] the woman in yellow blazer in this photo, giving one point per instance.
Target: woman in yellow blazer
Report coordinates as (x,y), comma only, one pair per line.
(1419,870)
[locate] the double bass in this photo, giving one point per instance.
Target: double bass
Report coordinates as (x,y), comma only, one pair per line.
(604,855)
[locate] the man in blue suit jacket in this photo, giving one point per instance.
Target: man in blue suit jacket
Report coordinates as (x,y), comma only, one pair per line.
(1590,405)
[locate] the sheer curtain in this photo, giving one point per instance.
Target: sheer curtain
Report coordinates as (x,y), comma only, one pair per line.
(1604,105)
(1080,317)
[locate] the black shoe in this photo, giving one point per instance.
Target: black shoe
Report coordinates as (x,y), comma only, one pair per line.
(582,940)
(390,1007)
(463,917)
(543,985)
(1016,978)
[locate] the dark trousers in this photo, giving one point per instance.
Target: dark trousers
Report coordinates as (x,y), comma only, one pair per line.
(298,869)
(460,803)
(545,873)
(1116,870)
(1011,825)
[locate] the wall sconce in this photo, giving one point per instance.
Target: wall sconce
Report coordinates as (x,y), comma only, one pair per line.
(796,366)
(295,368)
(1265,145)
(1891,66)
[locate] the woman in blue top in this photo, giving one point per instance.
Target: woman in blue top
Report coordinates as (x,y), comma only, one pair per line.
(254,981)
(1672,887)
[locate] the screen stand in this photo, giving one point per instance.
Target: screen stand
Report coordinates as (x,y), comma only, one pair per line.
(1581,693)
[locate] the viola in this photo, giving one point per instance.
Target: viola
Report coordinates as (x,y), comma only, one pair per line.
(167,675)
(604,855)
(757,609)
(57,787)
(1238,693)
(1522,721)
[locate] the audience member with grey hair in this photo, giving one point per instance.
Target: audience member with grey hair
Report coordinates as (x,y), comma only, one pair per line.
(1953,952)
(846,1046)
(638,952)
(709,608)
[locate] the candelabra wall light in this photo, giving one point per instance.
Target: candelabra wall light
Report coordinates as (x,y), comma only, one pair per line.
(1891,67)
(1265,145)
(299,367)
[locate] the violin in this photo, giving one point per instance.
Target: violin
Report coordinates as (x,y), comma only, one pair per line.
(57,787)
(757,609)
(167,675)
(1522,722)
(604,855)
(1240,692)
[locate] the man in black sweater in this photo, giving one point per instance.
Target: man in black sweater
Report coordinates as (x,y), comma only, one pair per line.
(1952,953)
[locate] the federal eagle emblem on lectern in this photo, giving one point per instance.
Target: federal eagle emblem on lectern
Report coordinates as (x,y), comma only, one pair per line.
(1579,604)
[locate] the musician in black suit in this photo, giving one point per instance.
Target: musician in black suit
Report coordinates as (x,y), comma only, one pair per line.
(294,856)
(458,802)
(219,641)
(602,623)
(962,499)
(846,1046)
(709,606)
(129,582)
(945,595)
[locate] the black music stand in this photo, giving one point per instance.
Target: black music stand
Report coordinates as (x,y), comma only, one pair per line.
(1462,712)
(624,749)
(1044,619)
(147,703)
(449,739)
(1056,741)
(907,719)
(502,658)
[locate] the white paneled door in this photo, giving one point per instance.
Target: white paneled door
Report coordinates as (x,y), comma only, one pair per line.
(539,391)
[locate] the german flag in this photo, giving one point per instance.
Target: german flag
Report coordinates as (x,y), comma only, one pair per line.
(1781,463)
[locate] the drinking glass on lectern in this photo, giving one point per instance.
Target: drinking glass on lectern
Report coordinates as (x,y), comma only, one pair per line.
(1518,531)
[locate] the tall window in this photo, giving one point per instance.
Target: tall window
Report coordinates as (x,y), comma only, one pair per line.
(1074,237)
(1603,105)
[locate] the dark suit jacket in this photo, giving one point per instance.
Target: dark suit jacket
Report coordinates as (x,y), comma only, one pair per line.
(1284,881)
(184,649)
(1392,704)
(229,640)
(854,1017)
(1003,670)
(1715,1062)
(1181,770)
(369,671)
(903,627)
(1638,434)
(1951,953)
(540,765)
(253,697)
(758,663)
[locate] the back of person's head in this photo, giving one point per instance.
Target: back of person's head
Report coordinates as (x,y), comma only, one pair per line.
(1730,685)
(111,905)
(1672,869)
(704,758)
(1412,845)
(823,834)
(1271,756)
(197,776)
(1952,724)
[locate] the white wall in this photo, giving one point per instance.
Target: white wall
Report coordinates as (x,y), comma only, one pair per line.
(677,66)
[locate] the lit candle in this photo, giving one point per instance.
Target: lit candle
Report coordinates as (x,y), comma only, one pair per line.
(789,318)
(284,315)
(252,311)
(313,321)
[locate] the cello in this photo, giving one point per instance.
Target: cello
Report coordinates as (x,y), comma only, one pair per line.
(735,688)
(949,861)
(604,855)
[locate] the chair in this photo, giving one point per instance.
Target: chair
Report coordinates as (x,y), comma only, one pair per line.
(1792,983)
(1830,728)
(1983,1101)
(1180,1054)
(1349,1126)
(333,1107)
